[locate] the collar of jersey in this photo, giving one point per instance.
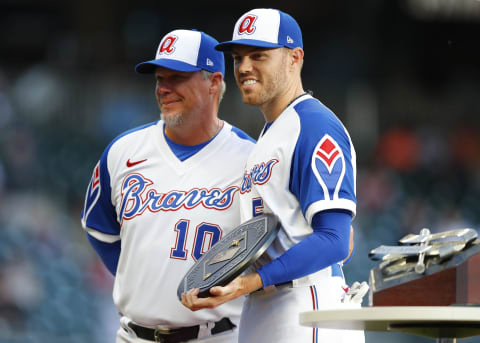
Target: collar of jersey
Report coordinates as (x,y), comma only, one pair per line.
(184,151)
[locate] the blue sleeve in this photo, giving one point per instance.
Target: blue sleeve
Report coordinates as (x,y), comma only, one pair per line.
(109,252)
(99,213)
(328,244)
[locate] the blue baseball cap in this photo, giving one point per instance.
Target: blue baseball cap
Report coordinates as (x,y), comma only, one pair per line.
(185,50)
(266,28)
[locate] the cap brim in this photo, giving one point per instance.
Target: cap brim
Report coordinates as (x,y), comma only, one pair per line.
(149,67)
(227,46)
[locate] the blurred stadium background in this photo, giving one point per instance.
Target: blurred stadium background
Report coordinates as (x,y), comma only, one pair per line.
(403,75)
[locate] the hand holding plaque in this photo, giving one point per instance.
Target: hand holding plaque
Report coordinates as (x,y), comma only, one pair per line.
(231,255)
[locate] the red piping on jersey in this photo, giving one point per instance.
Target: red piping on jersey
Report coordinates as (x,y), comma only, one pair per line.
(314,302)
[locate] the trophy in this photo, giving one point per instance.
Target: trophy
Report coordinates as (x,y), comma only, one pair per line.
(426,269)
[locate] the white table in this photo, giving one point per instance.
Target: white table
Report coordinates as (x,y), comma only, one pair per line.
(445,323)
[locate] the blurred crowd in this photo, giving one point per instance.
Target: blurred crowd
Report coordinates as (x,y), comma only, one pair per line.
(417,142)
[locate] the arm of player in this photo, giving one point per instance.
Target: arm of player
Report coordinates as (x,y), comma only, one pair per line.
(109,252)
(328,244)
(242,285)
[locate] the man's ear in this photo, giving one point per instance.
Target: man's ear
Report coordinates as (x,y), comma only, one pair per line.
(296,55)
(216,82)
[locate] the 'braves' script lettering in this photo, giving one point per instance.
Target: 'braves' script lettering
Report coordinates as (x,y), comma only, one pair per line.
(258,175)
(138,196)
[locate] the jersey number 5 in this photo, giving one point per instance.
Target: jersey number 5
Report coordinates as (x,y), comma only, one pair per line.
(206,235)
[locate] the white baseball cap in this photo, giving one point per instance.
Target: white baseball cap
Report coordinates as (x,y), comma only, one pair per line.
(266,28)
(185,50)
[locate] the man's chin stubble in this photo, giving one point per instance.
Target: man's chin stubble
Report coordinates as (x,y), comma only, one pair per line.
(172,120)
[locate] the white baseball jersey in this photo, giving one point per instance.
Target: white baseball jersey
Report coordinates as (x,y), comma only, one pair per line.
(166,213)
(303,163)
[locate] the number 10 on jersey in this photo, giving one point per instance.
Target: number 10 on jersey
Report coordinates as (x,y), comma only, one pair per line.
(206,235)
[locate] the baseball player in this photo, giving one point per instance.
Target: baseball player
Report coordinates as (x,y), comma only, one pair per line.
(162,194)
(303,169)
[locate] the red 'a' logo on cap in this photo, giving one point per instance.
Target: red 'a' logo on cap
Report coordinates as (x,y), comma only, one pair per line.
(246,26)
(167,45)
